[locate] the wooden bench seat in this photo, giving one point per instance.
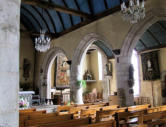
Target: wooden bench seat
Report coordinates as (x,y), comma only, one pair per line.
(68,123)
(110,107)
(111,123)
(138,107)
(51,119)
(27,110)
(106,115)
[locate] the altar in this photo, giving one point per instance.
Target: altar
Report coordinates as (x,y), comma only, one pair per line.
(25,99)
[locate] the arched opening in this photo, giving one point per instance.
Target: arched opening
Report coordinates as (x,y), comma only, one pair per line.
(58,78)
(56,74)
(99,49)
(96,69)
(148,52)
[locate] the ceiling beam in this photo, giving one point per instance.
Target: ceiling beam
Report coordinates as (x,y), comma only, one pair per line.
(86,22)
(70,16)
(47,5)
(143,43)
(90,6)
(105,4)
(52,21)
(164,27)
(28,20)
(41,15)
(61,20)
(78,7)
(153,36)
(31,14)
(153,48)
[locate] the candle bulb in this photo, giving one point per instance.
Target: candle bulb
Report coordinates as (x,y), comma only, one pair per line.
(143,4)
(137,2)
(131,3)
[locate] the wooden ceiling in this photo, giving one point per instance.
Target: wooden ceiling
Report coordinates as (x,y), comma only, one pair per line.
(59,17)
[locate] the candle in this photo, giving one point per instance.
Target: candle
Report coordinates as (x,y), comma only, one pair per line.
(143,4)
(137,2)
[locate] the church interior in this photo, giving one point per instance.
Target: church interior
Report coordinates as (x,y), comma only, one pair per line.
(83,63)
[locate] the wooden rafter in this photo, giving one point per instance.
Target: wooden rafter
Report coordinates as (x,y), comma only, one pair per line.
(70,16)
(143,43)
(52,21)
(29,21)
(153,36)
(90,6)
(164,27)
(78,8)
(31,14)
(86,22)
(47,5)
(105,4)
(42,18)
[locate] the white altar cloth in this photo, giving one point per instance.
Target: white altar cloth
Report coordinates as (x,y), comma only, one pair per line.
(27,95)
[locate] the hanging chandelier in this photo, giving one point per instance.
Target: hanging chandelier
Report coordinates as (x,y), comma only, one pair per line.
(42,43)
(135,12)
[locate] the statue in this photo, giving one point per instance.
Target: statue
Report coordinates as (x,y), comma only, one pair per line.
(109,68)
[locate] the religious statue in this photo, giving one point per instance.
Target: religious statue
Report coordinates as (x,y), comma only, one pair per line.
(109,68)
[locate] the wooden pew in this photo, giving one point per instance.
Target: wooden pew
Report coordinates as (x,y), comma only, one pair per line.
(126,118)
(155,118)
(162,108)
(153,109)
(106,115)
(76,111)
(29,113)
(23,116)
(139,107)
(50,119)
(111,123)
(88,113)
(27,110)
(45,115)
(64,109)
(68,123)
(109,107)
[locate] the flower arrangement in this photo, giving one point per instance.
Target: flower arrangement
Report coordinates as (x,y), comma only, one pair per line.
(23,103)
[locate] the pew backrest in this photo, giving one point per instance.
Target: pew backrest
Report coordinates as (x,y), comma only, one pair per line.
(111,123)
(45,120)
(68,123)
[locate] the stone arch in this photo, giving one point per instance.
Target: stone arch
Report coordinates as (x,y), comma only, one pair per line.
(138,30)
(81,48)
(50,55)
(134,34)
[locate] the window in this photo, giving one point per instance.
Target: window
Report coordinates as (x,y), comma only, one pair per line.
(100,65)
(135,63)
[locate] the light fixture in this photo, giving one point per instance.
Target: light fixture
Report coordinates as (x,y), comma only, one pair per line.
(42,43)
(135,12)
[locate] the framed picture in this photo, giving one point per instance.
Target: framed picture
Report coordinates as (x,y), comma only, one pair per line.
(150,66)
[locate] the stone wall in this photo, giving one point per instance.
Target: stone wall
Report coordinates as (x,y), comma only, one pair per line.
(9,61)
(27,51)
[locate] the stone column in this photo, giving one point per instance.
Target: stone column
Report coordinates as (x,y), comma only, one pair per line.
(122,73)
(75,90)
(9,61)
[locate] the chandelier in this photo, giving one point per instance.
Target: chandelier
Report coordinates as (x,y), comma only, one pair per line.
(135,12)
(42,43)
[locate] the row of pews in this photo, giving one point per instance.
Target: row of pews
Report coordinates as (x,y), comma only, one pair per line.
(95,115)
